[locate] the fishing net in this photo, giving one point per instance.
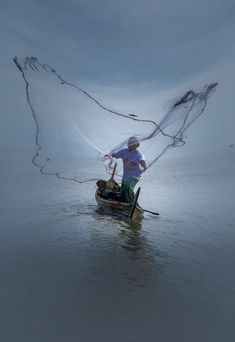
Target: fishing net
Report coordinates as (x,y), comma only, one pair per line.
(74,130)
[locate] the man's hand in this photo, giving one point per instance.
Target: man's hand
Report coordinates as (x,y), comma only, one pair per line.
(143,164)
(110,156)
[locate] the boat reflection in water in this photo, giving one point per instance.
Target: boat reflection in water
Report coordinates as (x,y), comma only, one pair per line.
(137,262)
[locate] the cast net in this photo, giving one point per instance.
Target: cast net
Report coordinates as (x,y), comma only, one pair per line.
(74,130)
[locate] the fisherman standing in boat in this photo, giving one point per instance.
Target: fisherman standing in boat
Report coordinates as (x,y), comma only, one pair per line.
(133,166)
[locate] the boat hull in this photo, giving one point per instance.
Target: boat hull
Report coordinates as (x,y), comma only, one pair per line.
(120,207)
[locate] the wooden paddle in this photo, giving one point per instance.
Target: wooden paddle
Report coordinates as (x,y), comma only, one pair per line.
(134,203)
(150,212)
(113,173)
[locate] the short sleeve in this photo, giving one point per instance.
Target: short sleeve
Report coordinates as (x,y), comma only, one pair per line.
(118,154)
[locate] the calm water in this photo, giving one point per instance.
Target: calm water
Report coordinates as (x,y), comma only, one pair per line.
(71,273)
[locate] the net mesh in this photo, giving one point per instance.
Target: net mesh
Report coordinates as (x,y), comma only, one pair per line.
(74,130)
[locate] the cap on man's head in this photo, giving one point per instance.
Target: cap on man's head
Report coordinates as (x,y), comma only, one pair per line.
(133,141)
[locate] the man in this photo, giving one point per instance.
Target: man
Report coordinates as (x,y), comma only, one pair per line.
(133,166)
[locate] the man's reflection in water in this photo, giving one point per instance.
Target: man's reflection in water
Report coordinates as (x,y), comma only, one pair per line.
(144,268)
(141,264)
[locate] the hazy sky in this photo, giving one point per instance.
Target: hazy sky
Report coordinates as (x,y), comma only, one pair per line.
(129,53)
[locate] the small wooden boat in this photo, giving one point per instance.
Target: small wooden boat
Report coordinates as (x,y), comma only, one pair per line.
(108,197)
(130,210)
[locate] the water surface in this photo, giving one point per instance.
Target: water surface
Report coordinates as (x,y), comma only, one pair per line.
(70,272)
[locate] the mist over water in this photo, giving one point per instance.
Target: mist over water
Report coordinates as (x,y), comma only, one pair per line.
(70,272)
